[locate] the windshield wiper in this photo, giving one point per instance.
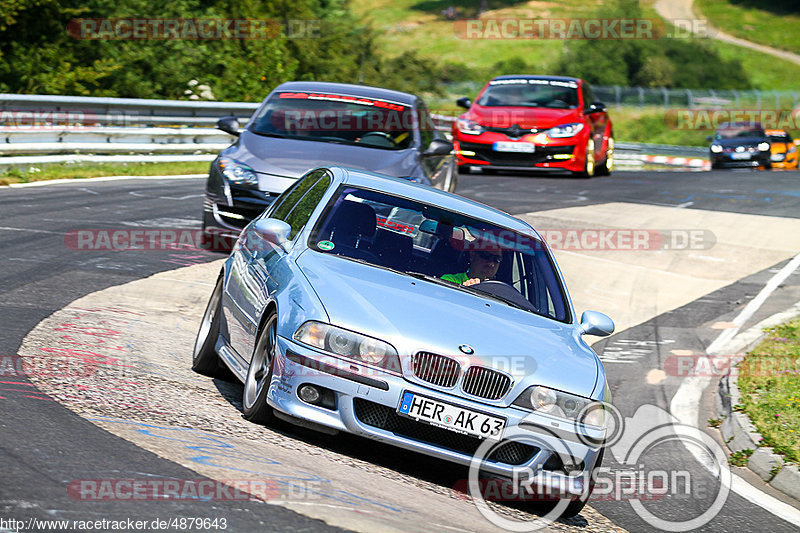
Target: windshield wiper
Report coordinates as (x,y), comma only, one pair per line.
(267,134)
(500,299)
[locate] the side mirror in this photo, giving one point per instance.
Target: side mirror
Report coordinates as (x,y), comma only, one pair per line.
(438,147)
(229,125)
(464,102)
(274,231)
(596,323)
(597,107)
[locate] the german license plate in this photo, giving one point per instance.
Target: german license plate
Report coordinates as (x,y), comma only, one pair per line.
(776,157)
(452,417)
(502,146)
(740,155)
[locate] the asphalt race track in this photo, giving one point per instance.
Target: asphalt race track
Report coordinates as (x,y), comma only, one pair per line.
(669,303)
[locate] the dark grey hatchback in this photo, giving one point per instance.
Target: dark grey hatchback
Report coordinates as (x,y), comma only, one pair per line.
(303,125)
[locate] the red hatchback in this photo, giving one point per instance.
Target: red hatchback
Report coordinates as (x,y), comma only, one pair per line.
(535,122)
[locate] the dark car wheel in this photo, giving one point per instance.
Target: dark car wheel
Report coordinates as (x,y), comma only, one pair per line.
(588,166)
(259,374)
(605,168)
(464,169)
(204,358)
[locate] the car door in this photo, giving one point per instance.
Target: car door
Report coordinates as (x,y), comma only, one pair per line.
(598,120)
(247,287)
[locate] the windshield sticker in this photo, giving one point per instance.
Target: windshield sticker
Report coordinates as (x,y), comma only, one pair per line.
(326,246)
(342,98)
(527,81)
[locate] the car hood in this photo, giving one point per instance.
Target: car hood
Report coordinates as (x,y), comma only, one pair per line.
(291,158)
(416,315)
(525,117)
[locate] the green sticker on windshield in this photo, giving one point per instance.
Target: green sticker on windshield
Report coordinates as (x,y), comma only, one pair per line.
(325,245)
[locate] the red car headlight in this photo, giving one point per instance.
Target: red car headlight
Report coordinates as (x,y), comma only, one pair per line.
(469,127)
(564,130)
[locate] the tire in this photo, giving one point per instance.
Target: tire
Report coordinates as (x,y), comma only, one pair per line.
(589,165)
(259,374)
(607,166)
(204,357)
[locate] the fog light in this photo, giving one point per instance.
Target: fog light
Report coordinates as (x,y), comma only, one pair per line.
(309,394)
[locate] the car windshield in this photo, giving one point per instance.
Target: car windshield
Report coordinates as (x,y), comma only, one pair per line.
(732,133)
(337,118)
(429,242)
(780,138)
(527,92)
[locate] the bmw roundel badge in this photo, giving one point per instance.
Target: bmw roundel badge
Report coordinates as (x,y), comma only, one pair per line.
(467,349)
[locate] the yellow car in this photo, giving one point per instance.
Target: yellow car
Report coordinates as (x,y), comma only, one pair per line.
(783,152)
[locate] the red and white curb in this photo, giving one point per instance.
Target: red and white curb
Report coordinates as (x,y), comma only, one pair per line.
(691,162)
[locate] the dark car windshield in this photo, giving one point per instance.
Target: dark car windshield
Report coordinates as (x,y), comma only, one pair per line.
(428,242)
(780,138)
(525,92)
(337,118)
(732,133)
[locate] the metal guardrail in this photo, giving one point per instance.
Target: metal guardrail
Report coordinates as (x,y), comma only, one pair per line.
(40,129)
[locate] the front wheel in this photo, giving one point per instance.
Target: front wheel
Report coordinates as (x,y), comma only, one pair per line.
(606,167)
(204,358)
(589,165)
(259,374)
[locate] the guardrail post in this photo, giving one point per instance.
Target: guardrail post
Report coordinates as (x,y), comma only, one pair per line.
(777,100)
(689,99)
(618,96)
(758,99)
(641,96)
(666,97)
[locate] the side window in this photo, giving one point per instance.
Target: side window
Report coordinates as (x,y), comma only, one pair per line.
(588,97)
(288,200)
(426,130)
(302,210)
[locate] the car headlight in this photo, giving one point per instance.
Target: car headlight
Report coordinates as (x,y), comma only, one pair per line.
(563,405)
(716,148)
(469,127)
(763,146)
(236,172)
(346,343)
(564,130)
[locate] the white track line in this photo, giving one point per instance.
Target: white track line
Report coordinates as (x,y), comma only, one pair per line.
(685,404)
(103,178)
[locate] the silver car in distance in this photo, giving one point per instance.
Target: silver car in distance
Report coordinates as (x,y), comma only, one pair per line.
(332,311)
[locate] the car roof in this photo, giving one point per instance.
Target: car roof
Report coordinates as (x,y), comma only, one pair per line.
(349,89)
(535,77)
(429,195)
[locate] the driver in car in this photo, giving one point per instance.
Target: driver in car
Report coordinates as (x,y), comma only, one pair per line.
(483,265)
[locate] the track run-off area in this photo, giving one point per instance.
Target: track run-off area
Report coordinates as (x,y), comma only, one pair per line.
(100,394)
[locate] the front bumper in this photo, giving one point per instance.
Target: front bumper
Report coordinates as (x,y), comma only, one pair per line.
(725,159)
(561,154)
(366,402)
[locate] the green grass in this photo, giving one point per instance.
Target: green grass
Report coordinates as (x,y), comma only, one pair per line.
(419,25)
(769,379)
(758,21)
(740,458)
(94,170)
